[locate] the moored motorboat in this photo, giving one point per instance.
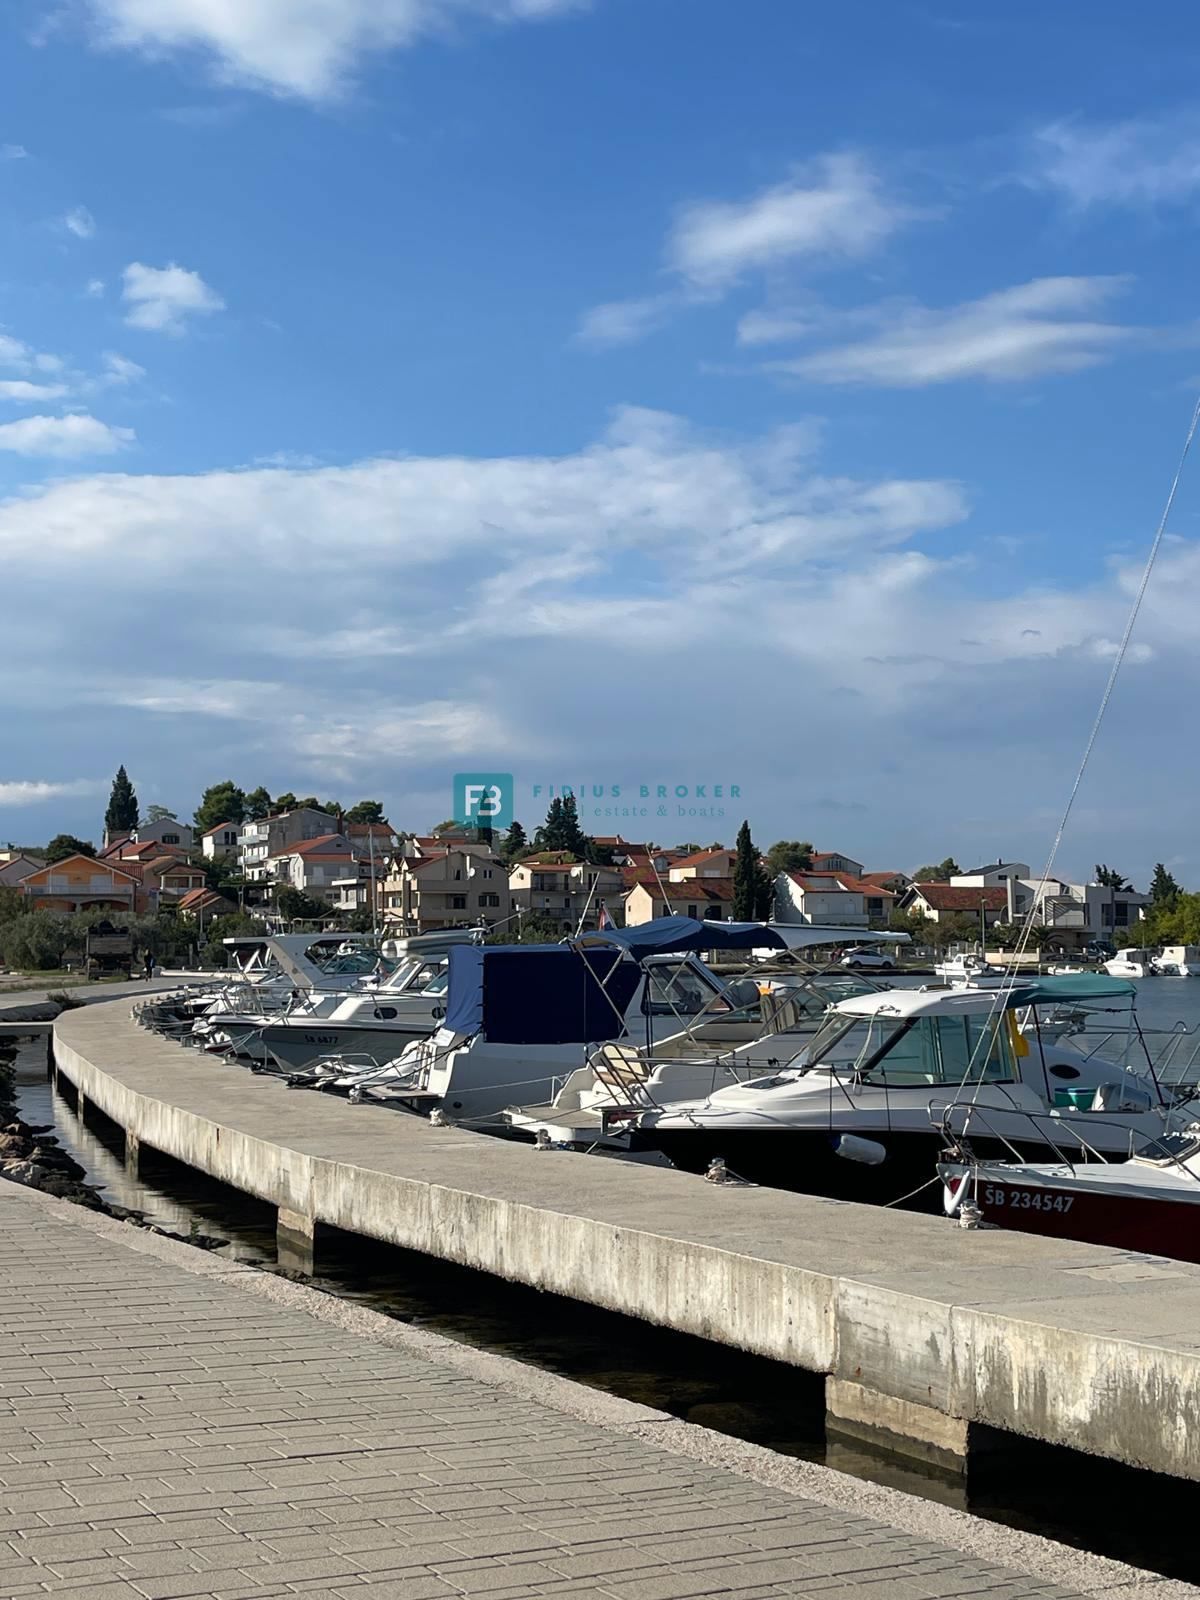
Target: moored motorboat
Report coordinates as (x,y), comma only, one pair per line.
(855,1114)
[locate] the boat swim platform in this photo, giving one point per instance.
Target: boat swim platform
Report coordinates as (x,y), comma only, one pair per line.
(934,1333)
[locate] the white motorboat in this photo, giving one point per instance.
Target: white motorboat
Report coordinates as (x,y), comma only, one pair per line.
(373,1026)
(1130,963)
(596,1104)
(1177,961)
(968,968)
(854,1115)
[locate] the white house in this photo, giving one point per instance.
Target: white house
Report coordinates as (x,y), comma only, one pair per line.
(266,837)
(219,841)
(834,899)
(314,865)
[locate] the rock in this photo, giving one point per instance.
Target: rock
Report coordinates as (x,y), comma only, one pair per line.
(23,1172)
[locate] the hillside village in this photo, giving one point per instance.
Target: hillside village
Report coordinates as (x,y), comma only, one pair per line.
(300,863)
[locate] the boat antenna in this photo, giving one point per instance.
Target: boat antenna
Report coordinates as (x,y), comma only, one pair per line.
(1005,989)
(1118,662)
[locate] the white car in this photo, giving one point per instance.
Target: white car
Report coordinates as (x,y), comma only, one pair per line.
(861,959)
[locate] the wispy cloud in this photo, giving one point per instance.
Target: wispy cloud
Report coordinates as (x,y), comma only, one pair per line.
(63,437)
(13,152)
(307,51)
(80,222)
(21,389)
(832,209)
(32,791)
(1031,330)
(94,289)
(1143,161)
(162,299)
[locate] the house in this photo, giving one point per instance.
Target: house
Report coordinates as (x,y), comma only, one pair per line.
(377,840)
(360,889)
(941,901)
(834,861)
(204,904)
(130,850)
(81,883)
(571,893)
(702,898)
(14,866)
(166,831)
(265,837)
(450,888)
(215,843)
(826,899)
(896,882)
(703,864)
(992,875)
(313,865)
(166,878)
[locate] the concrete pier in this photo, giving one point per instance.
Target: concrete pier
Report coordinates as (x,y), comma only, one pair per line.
(941,1333)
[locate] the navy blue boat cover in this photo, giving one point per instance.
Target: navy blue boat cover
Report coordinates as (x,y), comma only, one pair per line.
(540,993)
(668,934)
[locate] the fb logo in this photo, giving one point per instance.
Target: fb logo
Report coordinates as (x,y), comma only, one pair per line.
(484,800)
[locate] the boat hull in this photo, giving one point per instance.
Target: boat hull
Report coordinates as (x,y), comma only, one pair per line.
(1153,1224)
(806,1161)
(295,1046)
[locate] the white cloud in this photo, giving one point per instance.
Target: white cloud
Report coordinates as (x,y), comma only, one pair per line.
(118,371)
(833,209)
(65,437)
(1028,331)
(1145,161)
(80,222)
(35,791)
(22,390)
(161,299)
(306,50)
(13,152)
(94,289)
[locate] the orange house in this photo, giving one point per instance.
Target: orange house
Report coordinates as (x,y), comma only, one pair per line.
(78,883)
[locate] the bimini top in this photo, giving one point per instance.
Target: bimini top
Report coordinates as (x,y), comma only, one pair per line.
(1085,989)
(677,934)
(539,993)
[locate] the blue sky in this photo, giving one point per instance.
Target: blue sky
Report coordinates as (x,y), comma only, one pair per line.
(614,392)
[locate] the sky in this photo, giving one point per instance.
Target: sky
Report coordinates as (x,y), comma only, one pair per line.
(610,393)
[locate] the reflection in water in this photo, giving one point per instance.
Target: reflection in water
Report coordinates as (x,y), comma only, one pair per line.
(1040,1488)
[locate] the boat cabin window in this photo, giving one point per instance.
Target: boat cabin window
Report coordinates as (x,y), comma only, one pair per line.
(931,1050)
(679,991)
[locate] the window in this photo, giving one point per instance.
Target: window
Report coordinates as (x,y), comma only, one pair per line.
(170,838)
(485,872)
(489,899)
(457,873)
(692,912)
(712,914)
(458,902)
(1122,913)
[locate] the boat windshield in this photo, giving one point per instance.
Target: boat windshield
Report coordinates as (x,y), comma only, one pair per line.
(681,991)
(929,1050)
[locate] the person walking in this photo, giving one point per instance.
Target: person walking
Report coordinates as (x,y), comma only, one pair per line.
(148,965)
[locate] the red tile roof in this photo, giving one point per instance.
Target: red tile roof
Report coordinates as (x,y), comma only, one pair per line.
(126,870)
(220,827)
(698,859)
(883,878)
(714,890)
(327,844)
(818,881)
(950,897)
(202,899)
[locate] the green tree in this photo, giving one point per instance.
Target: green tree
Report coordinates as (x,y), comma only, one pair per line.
(66,844)
(161,814)
(577,842)
(1108,878)
(297,906)
(552,833)
(1164,890)
(366,811)
(789,855)
(234,925)
(122,813)
(513,844)
(221,802)
(258,805)
(752,887)
(533,928)
(35,942)
(285,802)
(13,904)
(942,873)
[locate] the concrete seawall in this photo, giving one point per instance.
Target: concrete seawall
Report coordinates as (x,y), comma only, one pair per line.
(921,1328)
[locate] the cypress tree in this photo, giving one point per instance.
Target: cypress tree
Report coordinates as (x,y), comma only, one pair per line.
(122,813)
(747,875)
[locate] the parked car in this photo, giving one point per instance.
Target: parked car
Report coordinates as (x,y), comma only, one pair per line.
(860,959)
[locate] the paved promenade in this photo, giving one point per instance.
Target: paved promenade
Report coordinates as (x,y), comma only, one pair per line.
(169,1428)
